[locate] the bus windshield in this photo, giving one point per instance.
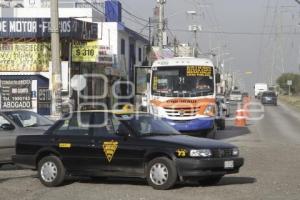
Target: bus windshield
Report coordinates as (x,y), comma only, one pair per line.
(183,81)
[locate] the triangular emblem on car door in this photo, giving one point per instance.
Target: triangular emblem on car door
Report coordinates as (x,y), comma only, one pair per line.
(109,148)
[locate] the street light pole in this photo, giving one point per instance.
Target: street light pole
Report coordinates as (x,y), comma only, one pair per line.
(56,64)
(161,23)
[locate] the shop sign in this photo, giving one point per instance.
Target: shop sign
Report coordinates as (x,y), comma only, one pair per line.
(16,94)
(25,57)
(40,28)
(91,52)
(85,51)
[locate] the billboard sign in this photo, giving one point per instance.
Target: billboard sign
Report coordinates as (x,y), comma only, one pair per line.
(25,57)
(40,28)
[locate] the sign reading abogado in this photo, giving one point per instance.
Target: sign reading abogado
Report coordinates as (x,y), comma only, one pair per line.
(16,94)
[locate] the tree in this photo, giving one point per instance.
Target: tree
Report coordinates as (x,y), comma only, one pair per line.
(295,78)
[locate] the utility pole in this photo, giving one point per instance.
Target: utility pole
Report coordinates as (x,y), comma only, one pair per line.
(56,64)
(195,29)
(161,23)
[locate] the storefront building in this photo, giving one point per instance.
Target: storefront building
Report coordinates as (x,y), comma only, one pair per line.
(92,45)
(25,57)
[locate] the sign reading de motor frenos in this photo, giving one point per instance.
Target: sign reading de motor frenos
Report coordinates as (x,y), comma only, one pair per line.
(40,28)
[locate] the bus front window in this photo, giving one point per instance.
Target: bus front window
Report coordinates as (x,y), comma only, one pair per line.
(185,81)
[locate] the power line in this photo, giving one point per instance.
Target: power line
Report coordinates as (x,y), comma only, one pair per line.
(98,10)
(238,33)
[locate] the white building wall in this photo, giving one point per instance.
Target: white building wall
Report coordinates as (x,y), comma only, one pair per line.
(84,14)
(108,36)
(124,59)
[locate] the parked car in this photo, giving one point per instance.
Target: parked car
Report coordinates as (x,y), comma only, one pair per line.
(235,95)
(269,97)
(18,122)
(124,144)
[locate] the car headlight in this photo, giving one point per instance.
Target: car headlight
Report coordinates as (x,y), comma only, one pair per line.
(210,110)
(235,152)
(204,153)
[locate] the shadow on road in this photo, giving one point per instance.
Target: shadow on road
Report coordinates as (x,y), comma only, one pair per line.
(9,167)
(236,181)
(224,182)
(231,132)
(141,182)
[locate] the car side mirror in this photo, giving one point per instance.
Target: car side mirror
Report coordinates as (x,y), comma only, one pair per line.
(148,77)
(7,127)
(123,131)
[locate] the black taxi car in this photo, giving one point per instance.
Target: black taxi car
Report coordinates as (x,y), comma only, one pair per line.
(118,144)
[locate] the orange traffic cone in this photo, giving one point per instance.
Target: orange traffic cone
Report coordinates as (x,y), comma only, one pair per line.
(240,119)
(246,110)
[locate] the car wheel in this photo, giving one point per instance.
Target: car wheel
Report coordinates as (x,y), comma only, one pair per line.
(210,180)
(51,171)
(211,134)
(161,173)
(222,124)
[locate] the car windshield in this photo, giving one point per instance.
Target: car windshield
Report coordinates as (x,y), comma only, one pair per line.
(235,92)
(183,81)
(268,94)
(148,125)
(28,119)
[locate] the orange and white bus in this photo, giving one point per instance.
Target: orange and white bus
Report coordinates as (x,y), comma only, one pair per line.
(182,92)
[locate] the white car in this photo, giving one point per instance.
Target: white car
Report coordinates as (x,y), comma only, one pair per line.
(236,96)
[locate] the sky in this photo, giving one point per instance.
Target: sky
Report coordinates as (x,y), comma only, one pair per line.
(247,29)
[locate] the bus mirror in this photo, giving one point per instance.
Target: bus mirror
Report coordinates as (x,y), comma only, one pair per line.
(148,78)
(218,78)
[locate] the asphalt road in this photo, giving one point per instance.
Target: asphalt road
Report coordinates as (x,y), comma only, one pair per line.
(270,146)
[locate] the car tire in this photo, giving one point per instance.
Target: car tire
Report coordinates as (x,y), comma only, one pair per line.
(161,173)
(210,180)
(211,134)
(51,171)
(222,124)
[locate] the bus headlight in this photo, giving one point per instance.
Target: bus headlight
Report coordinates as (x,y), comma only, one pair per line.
(203,153)
(210,110)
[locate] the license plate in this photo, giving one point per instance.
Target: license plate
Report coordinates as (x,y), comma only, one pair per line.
(229,164)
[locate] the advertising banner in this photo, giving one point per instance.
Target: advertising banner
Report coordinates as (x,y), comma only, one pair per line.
(92,52)
(25,57)
(85,51)
(16,94)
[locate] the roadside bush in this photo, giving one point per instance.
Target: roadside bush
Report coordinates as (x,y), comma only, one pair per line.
(282,82)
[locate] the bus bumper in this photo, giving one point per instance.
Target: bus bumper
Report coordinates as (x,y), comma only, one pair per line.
(192,125)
